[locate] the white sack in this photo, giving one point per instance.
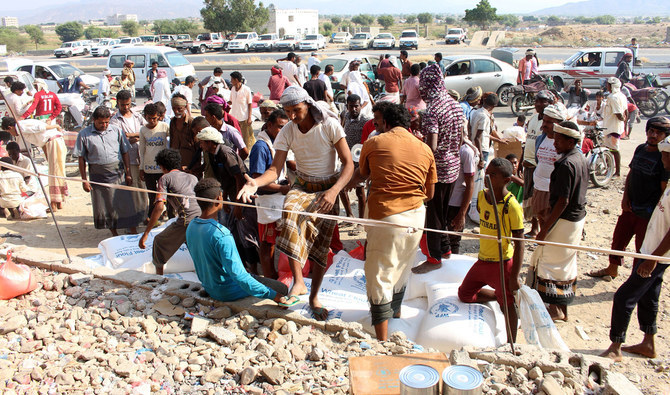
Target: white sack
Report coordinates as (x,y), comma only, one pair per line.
(538,327)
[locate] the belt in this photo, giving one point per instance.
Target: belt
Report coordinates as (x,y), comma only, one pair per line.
(58,136)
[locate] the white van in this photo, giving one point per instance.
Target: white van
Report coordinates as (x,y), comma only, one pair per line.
(169,59)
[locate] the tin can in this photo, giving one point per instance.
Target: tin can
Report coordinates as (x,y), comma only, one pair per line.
(461,380)
(419,380)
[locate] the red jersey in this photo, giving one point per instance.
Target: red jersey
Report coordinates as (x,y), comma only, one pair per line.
(44,103)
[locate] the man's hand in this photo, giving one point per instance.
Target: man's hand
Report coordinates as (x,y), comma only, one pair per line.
(646,268)
(143,241)
(458,223)
(142,175)
(129,180)
(326,201)
(248,191)
(249,121)
(481,164)
(513,283)
(87,186)
(625,204)
(284,189)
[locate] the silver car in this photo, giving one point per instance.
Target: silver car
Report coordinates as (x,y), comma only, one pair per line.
(465,71)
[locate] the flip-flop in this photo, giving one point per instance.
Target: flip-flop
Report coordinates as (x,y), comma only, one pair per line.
(599,274)
(291,301)
(319,313)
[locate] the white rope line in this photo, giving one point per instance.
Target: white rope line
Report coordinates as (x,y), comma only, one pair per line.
(359,221)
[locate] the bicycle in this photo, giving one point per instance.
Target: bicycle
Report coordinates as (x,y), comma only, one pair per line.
(600,159)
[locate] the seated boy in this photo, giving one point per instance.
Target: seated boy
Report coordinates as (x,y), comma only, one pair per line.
(12,186)
(486,271)
(215,257)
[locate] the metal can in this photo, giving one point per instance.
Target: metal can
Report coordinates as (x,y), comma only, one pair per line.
(461,380)
(419,380)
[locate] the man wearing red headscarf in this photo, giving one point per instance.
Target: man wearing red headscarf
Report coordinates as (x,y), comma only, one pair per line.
(277,83)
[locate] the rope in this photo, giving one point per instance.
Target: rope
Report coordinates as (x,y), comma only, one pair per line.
(361,221)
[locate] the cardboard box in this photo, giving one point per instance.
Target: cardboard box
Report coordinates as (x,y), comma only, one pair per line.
(513,147)
(379,374)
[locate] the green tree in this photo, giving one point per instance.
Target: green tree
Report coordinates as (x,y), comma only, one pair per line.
(14,41)
(327,29)
(529,18)
(449,20)
(509,20)
(336,20)
(386,21)
(36,34)
(131,28)
(483,15)
(425,18)
(92,32)
(410,19)
(606,20)
(363,19)
(163,26)
(69,31)
(234,15)
(553,20)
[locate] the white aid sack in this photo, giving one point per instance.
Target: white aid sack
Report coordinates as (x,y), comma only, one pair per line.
(453,270)
(517,133)
(411,314)
(536,323)
(450,324)
(265,205)
(123,252)
(34,207)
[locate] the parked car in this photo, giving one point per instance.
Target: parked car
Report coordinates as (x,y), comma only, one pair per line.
(266,42)
(341,65)
(341,37)
(50,71)
(409,39)
(384,40)
(465,71)
(288,43)
(178,41)
(22,76)
(455,36)
(361,41)
(169,59)
(166,38)
(103,46)
(243,42)
(312,42)
(150,40)
(206,42)
(72,48)
(128,42)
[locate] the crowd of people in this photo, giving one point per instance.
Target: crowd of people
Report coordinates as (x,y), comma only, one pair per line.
(425,153)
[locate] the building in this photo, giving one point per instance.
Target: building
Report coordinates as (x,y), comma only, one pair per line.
(96,22)
(118,19)
(294,21)
(9,21)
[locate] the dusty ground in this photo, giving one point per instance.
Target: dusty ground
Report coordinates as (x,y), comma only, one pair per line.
(591,310)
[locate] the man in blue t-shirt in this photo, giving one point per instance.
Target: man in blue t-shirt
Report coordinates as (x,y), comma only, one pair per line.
(72,84)
(215,257)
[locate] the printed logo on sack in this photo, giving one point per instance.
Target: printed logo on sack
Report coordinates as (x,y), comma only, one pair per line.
(359,280)
(442,308)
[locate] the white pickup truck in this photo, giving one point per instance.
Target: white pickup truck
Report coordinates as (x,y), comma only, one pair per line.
(594,64)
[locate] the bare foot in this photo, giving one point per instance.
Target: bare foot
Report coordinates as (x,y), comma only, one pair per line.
(608,271)
(555,313)
(614,355)
(318,311)
(644,349)
(426,267)
(297,289)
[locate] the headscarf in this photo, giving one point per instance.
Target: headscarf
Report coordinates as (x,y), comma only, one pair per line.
(294,95)
(473,95)
(275,70)
(530,51)
(393,61)
(413,112)
(356,86)
(664,145)
(384,63)
(269,104)
(431,83)
(454,94)
(106,72)
(161,74)
(575,134)
(41,85)
(615,83)
(555,112)
(210,134)
(73,77)
(178,101)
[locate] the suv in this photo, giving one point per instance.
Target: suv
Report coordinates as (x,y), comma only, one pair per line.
(266,42)
(361,41)
(72,48)
(409,39)
(455,35)
(205,42)
(243,42)
(103,46)
(288,43)
(341,37)
(312,42)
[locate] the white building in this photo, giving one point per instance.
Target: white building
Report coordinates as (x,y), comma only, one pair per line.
(9,21)
(293,21)
(118,19)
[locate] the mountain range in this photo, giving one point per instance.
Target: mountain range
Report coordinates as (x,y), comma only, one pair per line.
(616,8)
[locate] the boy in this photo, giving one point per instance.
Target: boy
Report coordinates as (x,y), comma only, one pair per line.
(153,139)
(215,257)
(516,185)
(486,270)
(18,159)
(162,110)
(12,186)
(520,121)
(241,101)
(173,180)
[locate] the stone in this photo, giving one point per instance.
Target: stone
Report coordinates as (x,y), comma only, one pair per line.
(175,299)
(498,387)
(187,302)
(166,307)
(262,332)
(125,368)
(247,321)
(283,355)
(273,375)
(298,354)
(199,325)
(277,324)
(618,384)
(316,354)
(213,375)
(461,357)
(535,373)
(149,324)
(65,378)
(37,374)
(13,324)
(248,375)
(43,332)
(124,308)
(222,335)
(160,373)
(551,387)
(560,377)
(289,328)
(220,313)
(79,279)
(178,376)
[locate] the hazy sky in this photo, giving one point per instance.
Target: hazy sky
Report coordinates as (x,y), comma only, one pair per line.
(349,6)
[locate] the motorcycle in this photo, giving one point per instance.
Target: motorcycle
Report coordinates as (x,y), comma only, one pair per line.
(659,94)
(600,159)
(523,96)
(77,110)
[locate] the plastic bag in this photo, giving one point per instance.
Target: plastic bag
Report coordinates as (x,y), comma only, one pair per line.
(536,323)
(265,205)
(15,279)
(358,252)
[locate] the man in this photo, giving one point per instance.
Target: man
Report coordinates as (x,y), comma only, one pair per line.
(317,140)
(18,100)
(316,88)
(392,80)
(634,47)
(289,68)
(614,116)
(181,138)
(442,125)
(260,159)
(402,174)
(438,59)
(527,68)
(623,72)
(104,87)
(215,257)
(46,104)
(352,121)
(160,91)
(50,139)
(241,101)
(153,72)
(406,64)
(186,90)
(72,84)
(325,77)
(533,131)
(206,82)
(555,268)
(411,97)
(302,73)
(313,60)
(277,83)
(228,167)
(20,160)
(214,115)
(266,108)
(173,180)
(644,186)
(7,84)
(103,147)
(471,101)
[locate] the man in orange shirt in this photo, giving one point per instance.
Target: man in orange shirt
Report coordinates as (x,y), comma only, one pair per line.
(402,175)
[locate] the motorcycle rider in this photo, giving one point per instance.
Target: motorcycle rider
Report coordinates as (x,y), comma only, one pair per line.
(46,104)
(72,84)
(624,72)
